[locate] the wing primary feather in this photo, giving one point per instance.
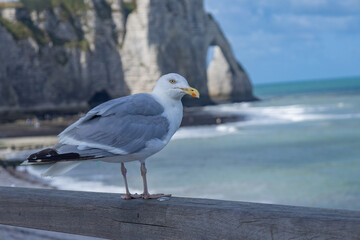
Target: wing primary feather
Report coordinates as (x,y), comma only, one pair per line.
(50,155)
(60,168)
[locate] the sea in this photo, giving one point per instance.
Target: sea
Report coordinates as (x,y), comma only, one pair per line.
(299,145)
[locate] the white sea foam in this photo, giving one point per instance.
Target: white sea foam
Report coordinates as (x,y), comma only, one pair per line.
(205,131)
(291,114)
(69,183)
(263,115)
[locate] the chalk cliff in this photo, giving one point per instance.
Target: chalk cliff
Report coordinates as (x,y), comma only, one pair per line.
(69,54)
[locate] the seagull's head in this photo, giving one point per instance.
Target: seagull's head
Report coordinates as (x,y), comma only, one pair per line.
(175,86)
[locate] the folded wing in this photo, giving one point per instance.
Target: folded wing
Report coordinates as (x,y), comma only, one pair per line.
(120,126)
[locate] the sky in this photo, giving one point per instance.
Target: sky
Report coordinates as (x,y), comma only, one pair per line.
(289,40)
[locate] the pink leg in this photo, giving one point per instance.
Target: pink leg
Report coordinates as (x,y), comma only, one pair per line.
(128,195)
(146,194)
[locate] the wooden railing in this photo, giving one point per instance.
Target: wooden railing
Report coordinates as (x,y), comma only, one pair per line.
(105,215)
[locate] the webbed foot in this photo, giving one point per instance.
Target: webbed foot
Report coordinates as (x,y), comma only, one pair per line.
(154,196)
(131,196)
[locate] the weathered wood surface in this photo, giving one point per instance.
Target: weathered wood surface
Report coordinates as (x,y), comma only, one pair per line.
(105,215)
(20,233)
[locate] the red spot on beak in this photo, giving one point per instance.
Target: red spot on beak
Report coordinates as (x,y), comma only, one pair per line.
(193,94)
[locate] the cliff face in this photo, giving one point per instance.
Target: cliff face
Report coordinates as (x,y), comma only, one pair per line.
(69,53)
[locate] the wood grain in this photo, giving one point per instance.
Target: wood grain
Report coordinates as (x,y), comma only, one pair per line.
(105,215)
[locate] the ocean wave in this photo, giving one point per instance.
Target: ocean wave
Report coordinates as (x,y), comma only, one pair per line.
(205,131)
(293,113)
(256,114)
(70,183)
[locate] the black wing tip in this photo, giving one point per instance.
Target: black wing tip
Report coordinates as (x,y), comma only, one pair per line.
(50,155)
(43,154)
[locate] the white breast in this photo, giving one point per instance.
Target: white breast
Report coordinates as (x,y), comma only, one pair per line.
(174,114)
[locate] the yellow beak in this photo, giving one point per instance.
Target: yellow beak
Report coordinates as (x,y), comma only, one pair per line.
(192,92)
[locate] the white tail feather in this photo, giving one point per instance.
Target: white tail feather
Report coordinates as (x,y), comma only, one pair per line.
(60,168)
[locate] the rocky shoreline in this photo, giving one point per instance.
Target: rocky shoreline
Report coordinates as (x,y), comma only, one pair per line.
(39,124)
(10,177)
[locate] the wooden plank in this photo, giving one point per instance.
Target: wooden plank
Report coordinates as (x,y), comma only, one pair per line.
(105,215)
(19,233)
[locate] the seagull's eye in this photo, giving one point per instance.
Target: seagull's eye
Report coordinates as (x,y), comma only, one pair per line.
(172,81)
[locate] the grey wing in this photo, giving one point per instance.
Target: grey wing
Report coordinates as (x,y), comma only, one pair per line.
(120,126)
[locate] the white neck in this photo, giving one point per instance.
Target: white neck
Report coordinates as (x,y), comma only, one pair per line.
(173,110)
(166,100)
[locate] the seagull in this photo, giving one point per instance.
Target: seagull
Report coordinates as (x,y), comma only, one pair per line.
(121,130)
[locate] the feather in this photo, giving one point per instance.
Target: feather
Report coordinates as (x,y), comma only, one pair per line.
(60,168)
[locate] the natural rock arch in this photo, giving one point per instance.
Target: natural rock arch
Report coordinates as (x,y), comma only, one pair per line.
(176,35)
(227,80)
(219,75)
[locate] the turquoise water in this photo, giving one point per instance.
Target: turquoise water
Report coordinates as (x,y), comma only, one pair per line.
(300,146)
(315,86)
